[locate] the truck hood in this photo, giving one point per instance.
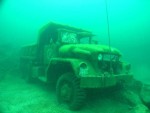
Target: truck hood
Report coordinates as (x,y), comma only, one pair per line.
(73,50)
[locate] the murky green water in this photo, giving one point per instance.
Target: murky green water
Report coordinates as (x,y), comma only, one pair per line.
(20,21)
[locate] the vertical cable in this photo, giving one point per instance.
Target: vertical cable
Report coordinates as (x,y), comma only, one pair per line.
(108,29)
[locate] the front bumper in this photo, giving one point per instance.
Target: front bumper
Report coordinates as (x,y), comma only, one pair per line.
(103,81)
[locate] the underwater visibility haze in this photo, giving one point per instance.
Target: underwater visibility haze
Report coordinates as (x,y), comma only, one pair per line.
(21,20)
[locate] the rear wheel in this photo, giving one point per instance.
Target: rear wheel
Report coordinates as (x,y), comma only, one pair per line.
(26,70)
(69,92)
(28,76)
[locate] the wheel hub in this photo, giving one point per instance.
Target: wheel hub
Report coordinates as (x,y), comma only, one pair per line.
(66,92)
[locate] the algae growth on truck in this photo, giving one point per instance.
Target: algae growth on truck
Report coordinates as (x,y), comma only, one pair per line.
(69,59)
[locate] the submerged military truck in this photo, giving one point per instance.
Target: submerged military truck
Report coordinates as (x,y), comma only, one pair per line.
(69,59)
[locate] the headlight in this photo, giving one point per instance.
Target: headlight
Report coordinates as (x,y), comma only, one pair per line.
(100,57)
(83,69)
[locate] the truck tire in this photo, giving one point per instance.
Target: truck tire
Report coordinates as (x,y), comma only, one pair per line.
(28,76)
(26,70)
(69,92)
(22,67)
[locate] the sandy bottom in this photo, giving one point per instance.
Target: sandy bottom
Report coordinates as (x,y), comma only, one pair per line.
(17,96)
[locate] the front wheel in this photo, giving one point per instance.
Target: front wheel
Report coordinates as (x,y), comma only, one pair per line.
(69,92)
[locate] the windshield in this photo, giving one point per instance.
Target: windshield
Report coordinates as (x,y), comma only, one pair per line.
(70,38)
(85,40)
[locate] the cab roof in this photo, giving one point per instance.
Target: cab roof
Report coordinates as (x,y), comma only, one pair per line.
(61,26)
(55,27)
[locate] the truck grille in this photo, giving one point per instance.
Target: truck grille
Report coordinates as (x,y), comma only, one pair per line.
(110,67)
